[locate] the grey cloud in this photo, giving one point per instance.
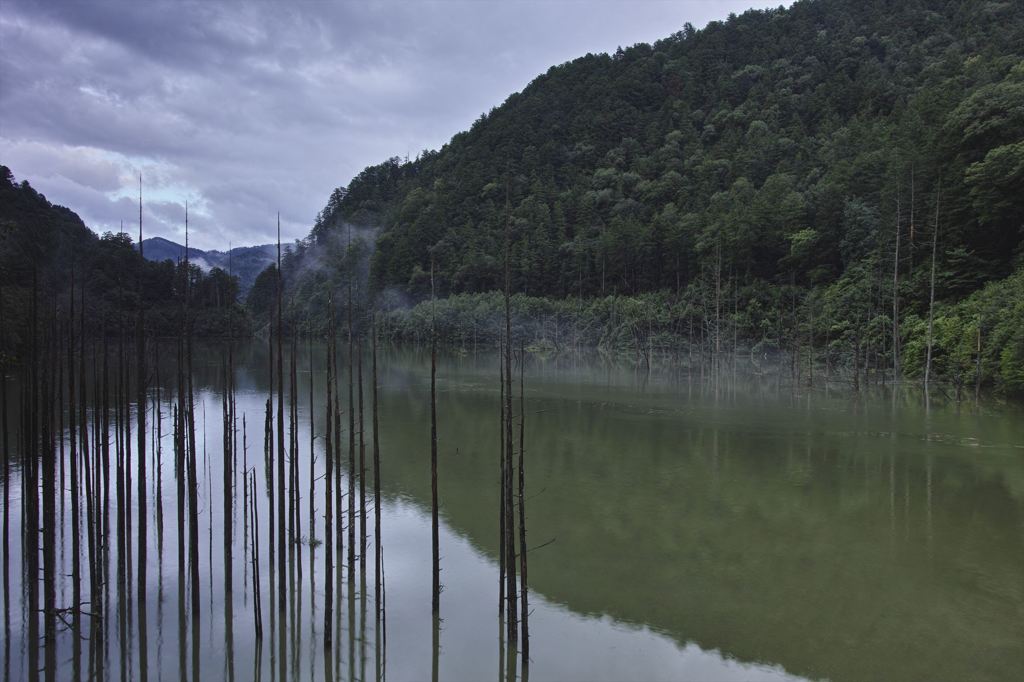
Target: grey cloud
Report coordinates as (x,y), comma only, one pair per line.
(245,109)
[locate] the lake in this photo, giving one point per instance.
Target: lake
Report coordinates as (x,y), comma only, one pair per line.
(681,527)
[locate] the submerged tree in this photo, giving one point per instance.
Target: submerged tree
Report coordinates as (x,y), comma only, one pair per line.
(434,541)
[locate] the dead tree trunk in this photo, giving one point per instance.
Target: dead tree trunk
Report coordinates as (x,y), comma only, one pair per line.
(512,624)
(281,590)
(525,611)
(931,294)
(435,544)
(896,297)
(329,464)
(140,410)
(378,550)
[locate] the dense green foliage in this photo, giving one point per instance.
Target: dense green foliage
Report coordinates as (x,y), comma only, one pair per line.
(762,166)
(42,243)
(992,317)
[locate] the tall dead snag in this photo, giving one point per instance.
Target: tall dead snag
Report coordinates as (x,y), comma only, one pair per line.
(351,429)
(895,298)
(525,626)
(281,591)
(97,505)
(119,485)
(329,465)
(228,474)
(362,467)
(501,476)
(380,639)
(245,503)
(502,537)
(76,542)
(511,624)
(180,462)
(159,456)
(931,295)
(312,460)
(140,410)
(293,503)
(436,555)
(5,444)
(49,508)
(193,485)
(268,459)
(378,550)
(339,510)
(228,479)
(257,599)
(31,408)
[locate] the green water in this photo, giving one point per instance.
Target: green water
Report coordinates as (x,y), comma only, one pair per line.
(727,529)
(829,536)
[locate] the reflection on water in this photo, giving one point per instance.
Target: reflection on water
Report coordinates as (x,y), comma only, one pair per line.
(679,529)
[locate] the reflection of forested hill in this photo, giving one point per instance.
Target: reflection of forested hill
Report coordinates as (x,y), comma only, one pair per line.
(840,546)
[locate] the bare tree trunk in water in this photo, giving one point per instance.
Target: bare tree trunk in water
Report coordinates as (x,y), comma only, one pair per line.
(362,466)
(281,589)
(435,546)
(228,475)
(329,464)
(257,595)
(49,507)
(312,462)
(380,633)
(511,624)
(378,550)
(268,461)
(140,409)
(503,538)
(193,485)
(931,295)
(5,444)
(522,511)
(31,408)
(294,526)
(351,432)
(30,492)
(76,542)
(180,463)
(896,297)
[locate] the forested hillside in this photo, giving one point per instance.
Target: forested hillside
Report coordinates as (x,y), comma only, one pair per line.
(781,178)
(42,246)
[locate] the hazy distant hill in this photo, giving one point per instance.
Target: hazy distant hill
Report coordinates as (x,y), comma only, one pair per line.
(245,261)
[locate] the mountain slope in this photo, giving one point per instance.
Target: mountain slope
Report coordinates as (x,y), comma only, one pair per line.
(770,147)
(778,180)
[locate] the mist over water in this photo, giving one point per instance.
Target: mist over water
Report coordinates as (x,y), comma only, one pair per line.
(715,528)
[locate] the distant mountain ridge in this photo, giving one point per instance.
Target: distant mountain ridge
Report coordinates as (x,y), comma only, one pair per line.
(245,262)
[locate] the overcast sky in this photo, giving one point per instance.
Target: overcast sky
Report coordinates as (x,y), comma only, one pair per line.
(245,109)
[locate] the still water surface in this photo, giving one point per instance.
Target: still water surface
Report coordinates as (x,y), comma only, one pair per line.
(684,529)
